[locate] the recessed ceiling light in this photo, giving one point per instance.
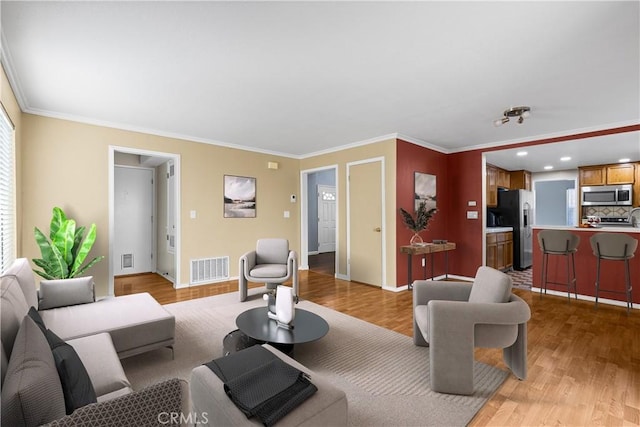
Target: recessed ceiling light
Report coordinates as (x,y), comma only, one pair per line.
(625,160)
(548,167)
(565,158)
(521,153)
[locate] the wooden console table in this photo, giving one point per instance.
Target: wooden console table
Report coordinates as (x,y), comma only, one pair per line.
(427,249)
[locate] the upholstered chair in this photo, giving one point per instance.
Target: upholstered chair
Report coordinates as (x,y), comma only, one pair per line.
(452,318)
(271,263)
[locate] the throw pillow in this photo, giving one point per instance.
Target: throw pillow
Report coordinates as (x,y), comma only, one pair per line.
(31,392)
(35,316)
(63,292)
(76,384)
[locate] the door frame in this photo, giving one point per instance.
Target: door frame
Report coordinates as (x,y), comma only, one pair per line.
(383,220)
(111,167)
(303,259)
(154,213)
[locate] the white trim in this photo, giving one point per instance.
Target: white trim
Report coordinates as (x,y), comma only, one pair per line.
(12,76)
(351,145)
(111,165)
(422,143)
(383,261)
(561,134)
(303,258)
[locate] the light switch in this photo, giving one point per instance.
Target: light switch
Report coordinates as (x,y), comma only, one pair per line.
(472,214)
(471,203)
(286,214)
(192,214)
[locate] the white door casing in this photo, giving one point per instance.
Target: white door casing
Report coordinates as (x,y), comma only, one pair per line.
(326,218)
(133,225)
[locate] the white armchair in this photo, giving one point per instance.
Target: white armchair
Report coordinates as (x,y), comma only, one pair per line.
(271,263)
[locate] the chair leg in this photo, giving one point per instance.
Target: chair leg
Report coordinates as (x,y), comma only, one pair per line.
(575,280)
(568,278)
(597,280)
(627,277)
(543,277)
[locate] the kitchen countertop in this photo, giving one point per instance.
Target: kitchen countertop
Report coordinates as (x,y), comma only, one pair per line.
(499,229)
(606,228)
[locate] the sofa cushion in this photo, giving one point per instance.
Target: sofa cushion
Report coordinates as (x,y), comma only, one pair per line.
(14,308)
(64,292)
(31,393)
(490,285)
(135,322)
(21,270)
(103,365)
(76,384)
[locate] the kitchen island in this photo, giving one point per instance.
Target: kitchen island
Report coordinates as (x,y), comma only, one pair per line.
(611,274)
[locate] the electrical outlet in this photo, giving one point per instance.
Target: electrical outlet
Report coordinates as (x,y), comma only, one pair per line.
(423,261)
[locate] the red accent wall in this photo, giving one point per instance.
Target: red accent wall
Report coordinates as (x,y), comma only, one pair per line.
(459,179)
(413,158)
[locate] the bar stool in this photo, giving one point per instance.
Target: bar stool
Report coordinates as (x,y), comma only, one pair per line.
(559,242)
(614,247)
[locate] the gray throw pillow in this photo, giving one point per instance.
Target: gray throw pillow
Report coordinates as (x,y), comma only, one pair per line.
(31,393)
(63,292)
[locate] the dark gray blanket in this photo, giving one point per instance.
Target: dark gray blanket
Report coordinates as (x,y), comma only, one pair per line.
(261,384)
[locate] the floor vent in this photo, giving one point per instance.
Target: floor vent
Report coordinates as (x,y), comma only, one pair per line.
(207,270)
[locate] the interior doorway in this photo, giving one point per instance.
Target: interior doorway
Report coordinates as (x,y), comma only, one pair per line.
(157,200)
(319,224)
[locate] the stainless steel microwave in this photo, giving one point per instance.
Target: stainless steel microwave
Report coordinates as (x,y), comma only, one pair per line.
(607,195)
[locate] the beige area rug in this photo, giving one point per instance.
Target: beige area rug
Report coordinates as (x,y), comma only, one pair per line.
(385,377)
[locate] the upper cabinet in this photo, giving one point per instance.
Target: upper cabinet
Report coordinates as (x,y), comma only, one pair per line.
(607,174)
(492,186)
(593,175)
(620,174)
(504,178)
(520,180)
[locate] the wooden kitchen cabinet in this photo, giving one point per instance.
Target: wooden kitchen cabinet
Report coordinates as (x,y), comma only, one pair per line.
(492,186)
(593,175)
(504,178)
(500,250)
(520,180)
(620,174)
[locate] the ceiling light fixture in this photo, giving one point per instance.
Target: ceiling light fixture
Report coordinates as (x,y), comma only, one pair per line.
(565,159)
(521,153)
(625,160)
(520,112)
(549,167)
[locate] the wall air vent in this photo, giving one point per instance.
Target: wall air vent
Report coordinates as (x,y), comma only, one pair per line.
(127,260)
(207,270)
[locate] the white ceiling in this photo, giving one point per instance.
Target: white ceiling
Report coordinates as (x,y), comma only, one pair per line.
(299,78)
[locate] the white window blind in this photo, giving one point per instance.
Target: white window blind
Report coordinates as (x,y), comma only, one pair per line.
(7,193)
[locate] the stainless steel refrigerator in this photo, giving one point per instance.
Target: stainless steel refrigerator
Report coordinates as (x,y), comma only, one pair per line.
(516,209)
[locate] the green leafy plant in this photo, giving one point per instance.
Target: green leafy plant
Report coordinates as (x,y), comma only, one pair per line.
(63,256)
(421,220)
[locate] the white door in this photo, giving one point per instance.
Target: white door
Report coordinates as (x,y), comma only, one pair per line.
(326,218)
(365,222)
(133,220)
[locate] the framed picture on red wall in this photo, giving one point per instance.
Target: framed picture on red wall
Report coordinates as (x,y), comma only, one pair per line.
(424,190)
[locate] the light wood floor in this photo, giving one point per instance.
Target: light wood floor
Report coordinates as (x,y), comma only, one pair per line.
(584,365)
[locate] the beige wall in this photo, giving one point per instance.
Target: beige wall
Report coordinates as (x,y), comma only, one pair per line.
(66,164)
(386,149)
(10,105)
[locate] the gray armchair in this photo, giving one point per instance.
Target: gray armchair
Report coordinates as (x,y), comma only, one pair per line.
(271,263)
(454,317)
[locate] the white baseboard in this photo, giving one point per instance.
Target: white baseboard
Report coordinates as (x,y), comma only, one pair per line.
(342,276)
(313,252)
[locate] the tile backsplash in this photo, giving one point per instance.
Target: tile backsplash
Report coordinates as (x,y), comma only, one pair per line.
(601,211)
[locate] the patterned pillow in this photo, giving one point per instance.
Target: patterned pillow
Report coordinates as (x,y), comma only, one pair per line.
(31,393)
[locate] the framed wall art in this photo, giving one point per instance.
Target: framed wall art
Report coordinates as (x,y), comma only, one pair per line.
(424,190)
(239,197)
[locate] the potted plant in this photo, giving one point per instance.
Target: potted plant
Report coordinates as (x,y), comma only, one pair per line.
(419,223)
(63,256)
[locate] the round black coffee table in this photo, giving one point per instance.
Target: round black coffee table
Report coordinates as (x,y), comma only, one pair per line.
(307,327)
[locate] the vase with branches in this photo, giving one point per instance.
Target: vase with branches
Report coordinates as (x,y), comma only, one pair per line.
(418,223)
